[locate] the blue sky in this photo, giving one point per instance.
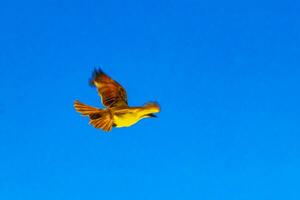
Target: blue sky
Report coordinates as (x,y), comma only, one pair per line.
(226,74)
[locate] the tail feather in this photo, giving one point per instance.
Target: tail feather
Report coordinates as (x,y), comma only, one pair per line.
(98,118)
(105,123)
(84,109)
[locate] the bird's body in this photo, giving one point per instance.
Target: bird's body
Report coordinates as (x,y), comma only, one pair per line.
(129,116)
(117,112)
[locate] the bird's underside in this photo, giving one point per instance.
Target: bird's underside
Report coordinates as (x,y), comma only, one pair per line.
(117,113)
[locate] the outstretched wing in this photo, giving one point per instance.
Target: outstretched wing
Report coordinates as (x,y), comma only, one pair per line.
(111,92)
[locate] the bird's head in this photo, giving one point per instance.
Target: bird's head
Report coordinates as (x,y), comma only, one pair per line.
(149,109)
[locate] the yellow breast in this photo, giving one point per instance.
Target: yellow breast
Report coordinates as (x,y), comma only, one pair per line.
(126,119)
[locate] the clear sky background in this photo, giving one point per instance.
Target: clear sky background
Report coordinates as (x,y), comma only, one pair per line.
(226,74)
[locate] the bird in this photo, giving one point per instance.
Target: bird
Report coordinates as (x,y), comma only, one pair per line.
(117,113)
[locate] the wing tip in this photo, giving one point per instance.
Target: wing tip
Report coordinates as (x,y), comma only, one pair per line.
(97,72)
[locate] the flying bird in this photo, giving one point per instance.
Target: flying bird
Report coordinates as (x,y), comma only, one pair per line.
(116,113)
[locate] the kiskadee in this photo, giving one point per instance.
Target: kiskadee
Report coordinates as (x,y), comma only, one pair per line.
(117,113)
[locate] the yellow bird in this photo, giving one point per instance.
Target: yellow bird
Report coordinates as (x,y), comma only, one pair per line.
(117,113)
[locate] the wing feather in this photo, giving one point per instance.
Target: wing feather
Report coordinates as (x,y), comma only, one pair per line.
(111,92)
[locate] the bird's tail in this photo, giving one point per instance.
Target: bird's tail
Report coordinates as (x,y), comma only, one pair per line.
(98,118)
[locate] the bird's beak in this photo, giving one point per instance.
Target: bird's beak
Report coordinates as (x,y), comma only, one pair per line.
(151,115)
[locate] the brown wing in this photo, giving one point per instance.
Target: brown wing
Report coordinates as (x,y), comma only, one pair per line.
(111,92)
